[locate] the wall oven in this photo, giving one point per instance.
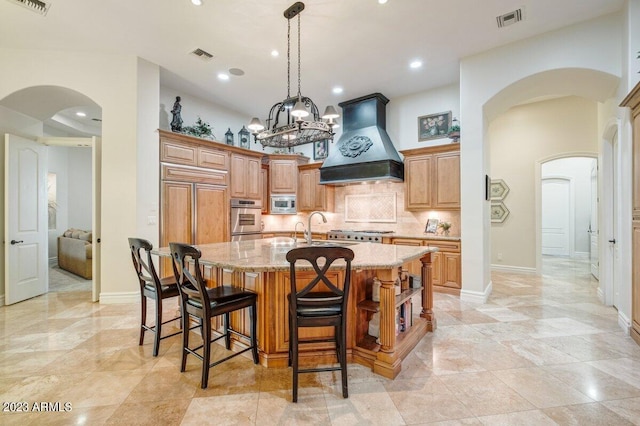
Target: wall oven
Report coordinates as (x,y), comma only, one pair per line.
(246,219)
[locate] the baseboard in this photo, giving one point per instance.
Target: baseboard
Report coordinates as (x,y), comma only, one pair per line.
(1,299)
(624,323)
(476,296)
(507,268)
(120,297)
(53,261)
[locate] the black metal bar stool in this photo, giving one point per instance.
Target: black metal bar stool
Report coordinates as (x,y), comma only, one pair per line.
(151,287)
(204,303)
(320,303)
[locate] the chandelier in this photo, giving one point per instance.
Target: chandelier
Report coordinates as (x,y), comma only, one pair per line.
(295,120)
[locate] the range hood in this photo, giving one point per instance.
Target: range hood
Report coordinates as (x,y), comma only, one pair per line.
(364,151)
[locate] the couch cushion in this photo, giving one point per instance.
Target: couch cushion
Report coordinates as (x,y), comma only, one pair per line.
(86,236)
(76,233)
(68,232)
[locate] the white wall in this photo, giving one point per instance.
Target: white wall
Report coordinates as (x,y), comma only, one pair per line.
(584,59)
(80,188)
(59,164)
(520,139)
(578,169)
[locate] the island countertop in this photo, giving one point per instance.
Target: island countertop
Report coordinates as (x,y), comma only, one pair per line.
(269,255)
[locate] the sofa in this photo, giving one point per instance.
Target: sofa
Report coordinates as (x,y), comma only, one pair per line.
(75,252)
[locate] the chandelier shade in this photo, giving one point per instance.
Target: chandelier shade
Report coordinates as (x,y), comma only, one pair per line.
(296,120)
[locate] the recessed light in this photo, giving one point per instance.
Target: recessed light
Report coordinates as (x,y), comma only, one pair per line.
(197,2)
(275,53)
(236,71)
(337,90)
(223,76)
(81,114)
(382,1)
(416,64)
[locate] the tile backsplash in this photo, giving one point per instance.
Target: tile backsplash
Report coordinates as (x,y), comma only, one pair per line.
(373,200)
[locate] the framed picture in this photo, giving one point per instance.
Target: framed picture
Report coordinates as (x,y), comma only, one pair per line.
(434,126)
(432,226)
(320,150)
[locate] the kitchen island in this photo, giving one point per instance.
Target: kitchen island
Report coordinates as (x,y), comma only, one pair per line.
(261,266)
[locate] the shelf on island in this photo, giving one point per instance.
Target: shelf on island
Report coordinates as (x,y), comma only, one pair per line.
(371,306)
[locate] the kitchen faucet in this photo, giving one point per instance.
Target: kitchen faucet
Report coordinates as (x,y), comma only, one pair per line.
(308,231)
(295,231)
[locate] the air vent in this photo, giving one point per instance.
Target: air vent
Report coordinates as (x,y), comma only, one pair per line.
(37,6)
(509,18)
(202,54)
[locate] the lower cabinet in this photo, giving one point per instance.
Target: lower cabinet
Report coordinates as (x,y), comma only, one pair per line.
(447,265)
(635,282)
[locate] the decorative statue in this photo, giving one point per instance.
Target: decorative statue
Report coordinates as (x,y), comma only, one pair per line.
(176,123)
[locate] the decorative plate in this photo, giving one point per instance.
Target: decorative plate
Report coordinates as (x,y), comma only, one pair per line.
(499,189)
(499,212)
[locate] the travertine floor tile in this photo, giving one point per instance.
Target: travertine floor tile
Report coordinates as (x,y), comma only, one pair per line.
(586,414)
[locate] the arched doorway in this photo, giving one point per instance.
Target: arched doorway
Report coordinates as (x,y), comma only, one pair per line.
(68,124)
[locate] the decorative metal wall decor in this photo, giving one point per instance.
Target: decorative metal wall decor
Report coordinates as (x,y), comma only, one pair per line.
(499,212)
(498,192)
(499,189)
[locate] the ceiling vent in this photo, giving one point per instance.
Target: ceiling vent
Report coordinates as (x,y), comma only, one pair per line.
(509,18)
(37,6)
(202,54)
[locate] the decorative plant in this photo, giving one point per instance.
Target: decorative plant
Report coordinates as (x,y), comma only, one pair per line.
(445,226)
(454,128)
(201,129)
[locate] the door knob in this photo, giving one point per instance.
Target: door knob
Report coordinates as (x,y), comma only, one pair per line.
(16,242)
(613,241)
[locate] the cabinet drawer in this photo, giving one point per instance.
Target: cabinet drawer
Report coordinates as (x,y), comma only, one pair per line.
(448,246)
(172,152)
(189,174)
(213,158)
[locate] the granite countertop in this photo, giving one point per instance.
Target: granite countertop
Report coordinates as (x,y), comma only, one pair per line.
(269,254)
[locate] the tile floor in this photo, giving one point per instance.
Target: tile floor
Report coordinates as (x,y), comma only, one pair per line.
(543,350)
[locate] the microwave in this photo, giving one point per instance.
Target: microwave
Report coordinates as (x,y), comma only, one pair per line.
(283,204)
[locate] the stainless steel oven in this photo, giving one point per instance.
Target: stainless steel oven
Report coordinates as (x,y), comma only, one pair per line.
(246,219)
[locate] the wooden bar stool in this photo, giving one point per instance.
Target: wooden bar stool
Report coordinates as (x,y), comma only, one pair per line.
(151,287)
(204,303)
(320,303)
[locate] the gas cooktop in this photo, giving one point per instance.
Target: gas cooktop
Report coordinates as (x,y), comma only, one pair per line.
(357,235)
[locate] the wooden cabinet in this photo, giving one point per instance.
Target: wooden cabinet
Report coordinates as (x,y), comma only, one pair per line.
(245,176)
(447,265)
(633,101)
(311,195)
(176,148)
(283,173)
(432,178)
(264,182)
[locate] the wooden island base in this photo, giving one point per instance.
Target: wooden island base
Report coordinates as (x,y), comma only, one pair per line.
(270,279)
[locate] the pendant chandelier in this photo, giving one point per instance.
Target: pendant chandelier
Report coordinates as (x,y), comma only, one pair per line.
(295,120)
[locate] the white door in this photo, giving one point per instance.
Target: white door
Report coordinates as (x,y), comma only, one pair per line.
(97,173)
(25,204)
(593,223)
(612,241)
(556,218)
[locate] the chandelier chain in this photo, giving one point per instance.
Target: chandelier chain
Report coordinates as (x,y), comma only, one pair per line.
(299,92)
(288,58)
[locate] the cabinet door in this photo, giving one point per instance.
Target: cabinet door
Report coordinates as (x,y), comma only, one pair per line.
(447,181)
(323,199)
(238,187)
(418,182)
(264,182)
(252,175)
(306,191)
(213,158)
(211,214)
(284,176)
(436,268)
(178,153)
(635,282)
(636,165)
(176,217)
(450,270)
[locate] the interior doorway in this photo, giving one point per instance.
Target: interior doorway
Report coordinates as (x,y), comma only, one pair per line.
(567,208)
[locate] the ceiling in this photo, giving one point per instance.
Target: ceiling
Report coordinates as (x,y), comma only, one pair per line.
(359,45)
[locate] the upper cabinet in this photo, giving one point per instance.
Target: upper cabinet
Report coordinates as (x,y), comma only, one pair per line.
(245,176)
(176,148)
(432,178)
(283,173)
(633,101)
(311,195)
